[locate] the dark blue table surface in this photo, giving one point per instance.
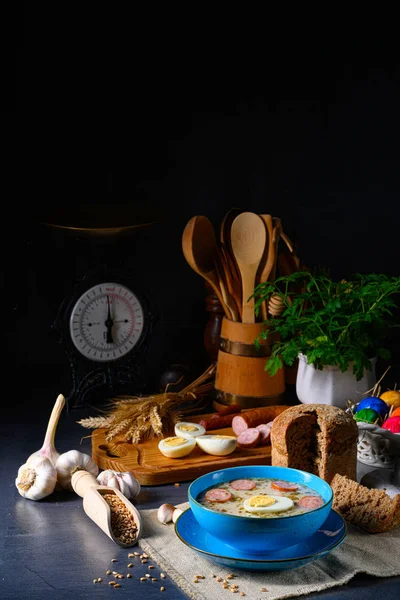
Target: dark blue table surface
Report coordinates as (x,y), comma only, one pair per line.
(51,549)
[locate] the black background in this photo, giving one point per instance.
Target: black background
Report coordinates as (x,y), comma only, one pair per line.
(170,132)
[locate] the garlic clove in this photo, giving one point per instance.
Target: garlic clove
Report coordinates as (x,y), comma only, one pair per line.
(165,513)
(124,488)
(48,450)
(36,479)
(127,484)
(69,463)
(104,476)
(133,483)
(114,483)
(177,513)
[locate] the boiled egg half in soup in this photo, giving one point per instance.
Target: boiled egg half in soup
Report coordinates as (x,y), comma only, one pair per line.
(176,447)
(267,504)
(189,430)
(217,445)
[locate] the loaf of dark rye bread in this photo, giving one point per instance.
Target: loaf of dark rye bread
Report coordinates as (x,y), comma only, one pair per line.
(316,438)
(370,509)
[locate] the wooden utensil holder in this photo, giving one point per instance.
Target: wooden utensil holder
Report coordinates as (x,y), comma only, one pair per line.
(240,376)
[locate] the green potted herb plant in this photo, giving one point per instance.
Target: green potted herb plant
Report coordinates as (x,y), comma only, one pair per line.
(336,330)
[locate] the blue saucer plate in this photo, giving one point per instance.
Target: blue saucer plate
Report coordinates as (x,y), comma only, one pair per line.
(329,537)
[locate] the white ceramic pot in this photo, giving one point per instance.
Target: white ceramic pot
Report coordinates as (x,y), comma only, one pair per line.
(331,386)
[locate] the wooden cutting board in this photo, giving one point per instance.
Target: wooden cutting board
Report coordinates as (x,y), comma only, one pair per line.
(151,467)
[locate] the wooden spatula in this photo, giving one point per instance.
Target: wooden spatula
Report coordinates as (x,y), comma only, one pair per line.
(232,283)
(223,284)
(267,261)
(226,246)
(248,238)
(276,235)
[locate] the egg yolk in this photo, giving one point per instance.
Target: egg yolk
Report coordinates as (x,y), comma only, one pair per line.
(261,501)
(175,441)
(188,428)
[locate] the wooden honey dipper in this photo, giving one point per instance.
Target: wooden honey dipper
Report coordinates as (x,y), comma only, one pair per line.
(276,305)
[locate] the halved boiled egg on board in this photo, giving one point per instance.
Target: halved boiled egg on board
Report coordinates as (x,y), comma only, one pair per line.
(267,504)
(189,430)
(217,445)
(176,447)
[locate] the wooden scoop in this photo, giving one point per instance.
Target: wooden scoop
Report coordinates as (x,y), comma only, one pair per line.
(248,238)
(94,505)
(200,249)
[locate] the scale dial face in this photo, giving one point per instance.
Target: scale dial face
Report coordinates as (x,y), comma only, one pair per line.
(106,322)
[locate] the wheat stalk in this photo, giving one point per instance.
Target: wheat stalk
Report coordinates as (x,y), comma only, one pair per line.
(140,418)
(96,422)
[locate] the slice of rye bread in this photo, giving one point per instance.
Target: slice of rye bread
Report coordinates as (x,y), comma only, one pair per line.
(370,509)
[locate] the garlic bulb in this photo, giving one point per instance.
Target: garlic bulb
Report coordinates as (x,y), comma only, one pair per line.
(125,482)
(36,479)
(48,449)
(69,463)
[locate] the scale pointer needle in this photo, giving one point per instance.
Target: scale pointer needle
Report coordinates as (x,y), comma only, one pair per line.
(109,323)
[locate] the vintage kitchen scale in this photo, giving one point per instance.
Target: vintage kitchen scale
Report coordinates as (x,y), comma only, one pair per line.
(105,321)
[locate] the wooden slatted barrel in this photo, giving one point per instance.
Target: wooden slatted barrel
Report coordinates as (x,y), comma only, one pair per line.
(240,376)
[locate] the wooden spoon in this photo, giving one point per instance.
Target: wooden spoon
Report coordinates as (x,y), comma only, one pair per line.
(248,237)
(200,249)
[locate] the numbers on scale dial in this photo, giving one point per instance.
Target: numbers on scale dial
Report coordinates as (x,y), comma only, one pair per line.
(106,322)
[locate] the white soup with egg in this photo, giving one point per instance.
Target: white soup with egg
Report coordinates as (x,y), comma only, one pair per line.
(261,497)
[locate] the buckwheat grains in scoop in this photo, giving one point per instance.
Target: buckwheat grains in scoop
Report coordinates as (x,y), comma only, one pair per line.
(122,523)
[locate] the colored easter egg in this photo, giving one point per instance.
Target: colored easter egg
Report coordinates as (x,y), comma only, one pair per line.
(392,424)
(367,415)
(395,413)
(376,404)
(392,398)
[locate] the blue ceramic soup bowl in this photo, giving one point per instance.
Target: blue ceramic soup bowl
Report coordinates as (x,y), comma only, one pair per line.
(257,535)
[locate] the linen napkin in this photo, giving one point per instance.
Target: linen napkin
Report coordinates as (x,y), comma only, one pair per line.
(361,552)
